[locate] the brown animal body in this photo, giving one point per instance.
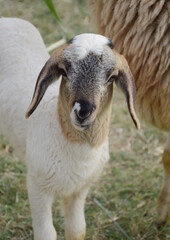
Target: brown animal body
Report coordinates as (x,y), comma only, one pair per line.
(140,31)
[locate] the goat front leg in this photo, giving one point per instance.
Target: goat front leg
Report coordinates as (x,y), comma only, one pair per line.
(164,198)
(40,203)
(73,206)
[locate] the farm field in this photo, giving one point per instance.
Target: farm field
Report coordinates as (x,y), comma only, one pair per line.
(130,184)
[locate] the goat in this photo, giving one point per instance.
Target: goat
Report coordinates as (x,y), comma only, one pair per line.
(65,141)
(140,31)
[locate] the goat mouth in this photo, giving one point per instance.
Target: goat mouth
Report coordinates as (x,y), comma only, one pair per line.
(79,124)
(85,127)
(81,127)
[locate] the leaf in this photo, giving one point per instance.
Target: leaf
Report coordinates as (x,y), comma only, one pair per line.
(52,9)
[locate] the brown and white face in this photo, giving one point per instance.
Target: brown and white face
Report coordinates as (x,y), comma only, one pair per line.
(89,65)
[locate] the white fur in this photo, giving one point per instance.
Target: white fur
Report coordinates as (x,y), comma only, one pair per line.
(54,164)
(77,108)
(74,122)
(84,43)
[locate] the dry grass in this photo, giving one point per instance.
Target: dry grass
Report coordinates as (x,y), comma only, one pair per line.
(131,180)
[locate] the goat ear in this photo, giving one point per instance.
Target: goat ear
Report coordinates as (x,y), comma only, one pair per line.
(126,83)
(47,76)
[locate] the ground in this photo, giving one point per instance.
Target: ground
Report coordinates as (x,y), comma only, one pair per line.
(131,181)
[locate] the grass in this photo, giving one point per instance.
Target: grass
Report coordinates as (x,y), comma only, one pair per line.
(131,181)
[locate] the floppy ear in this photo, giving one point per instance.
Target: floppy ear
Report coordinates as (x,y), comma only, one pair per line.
(47,76)
(126,83)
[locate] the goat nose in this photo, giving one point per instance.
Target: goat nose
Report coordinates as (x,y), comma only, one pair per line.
(84,109)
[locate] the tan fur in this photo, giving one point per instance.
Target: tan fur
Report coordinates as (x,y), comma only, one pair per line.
(139,30)
(97,133)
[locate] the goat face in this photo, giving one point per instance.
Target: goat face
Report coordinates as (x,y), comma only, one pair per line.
(85,85)
(88,65)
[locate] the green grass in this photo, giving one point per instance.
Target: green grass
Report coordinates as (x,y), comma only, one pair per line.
(131,181)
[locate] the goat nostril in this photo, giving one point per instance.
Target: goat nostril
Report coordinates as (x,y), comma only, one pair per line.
(83,114)
(83,109)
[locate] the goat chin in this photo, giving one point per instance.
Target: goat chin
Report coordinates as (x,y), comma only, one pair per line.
(140,31)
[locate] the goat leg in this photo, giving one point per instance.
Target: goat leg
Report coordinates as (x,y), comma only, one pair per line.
(40,203)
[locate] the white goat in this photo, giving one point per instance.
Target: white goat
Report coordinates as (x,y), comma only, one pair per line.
(66,139)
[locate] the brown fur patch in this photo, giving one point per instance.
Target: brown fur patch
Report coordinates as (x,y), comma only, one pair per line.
(164,198)
(47,75)
(164,203)
(81,237)
(139,30)
(166,162)
(97,132)
(127,85)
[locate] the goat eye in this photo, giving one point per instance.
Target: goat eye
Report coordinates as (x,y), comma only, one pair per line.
(112,78)
(63,73)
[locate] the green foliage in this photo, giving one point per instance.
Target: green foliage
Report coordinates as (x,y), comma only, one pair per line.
(52,9)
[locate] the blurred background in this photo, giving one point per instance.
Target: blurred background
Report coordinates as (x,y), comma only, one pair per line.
(74,15)
(131,181)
